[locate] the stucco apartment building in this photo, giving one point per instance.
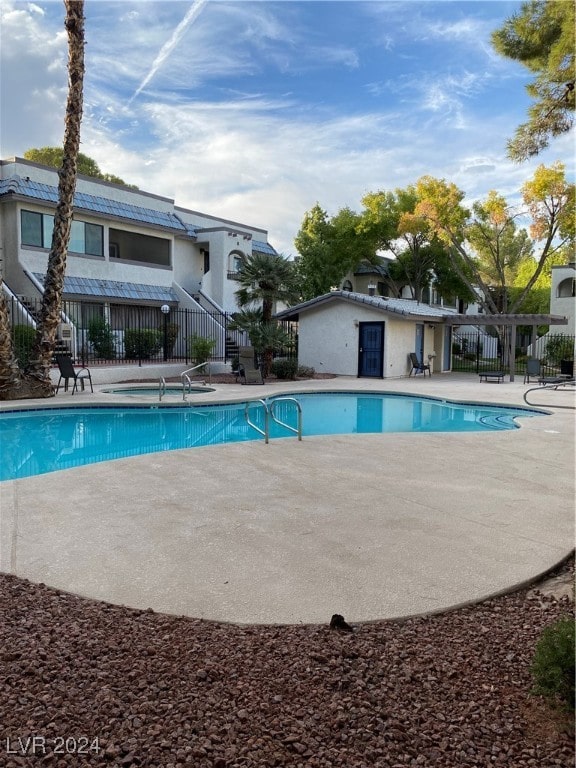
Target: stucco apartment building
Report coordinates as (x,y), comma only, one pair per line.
(127,246)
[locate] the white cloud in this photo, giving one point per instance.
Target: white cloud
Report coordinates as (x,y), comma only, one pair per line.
(253,152)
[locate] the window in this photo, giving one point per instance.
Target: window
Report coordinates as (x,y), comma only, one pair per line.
(567,288)
(84,238)
(32,229)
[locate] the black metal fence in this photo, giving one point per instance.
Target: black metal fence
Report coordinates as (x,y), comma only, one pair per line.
(479,351)
(119,333)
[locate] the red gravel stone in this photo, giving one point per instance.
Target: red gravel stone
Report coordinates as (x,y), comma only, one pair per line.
(145,689)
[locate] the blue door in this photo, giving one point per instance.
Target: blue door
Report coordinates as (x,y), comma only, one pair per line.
(371,349)
(419,342)
(447,353)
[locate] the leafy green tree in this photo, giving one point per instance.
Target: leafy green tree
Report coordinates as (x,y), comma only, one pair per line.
(391,218)
(391,222)
(316,273)
(328,249)
(52,156)
(541,37)
(266,280)
(499,246)
(485,240)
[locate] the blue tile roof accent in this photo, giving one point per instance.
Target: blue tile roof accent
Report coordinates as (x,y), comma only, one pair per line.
(36,190)
(260,247)
(89,286)
(191,229)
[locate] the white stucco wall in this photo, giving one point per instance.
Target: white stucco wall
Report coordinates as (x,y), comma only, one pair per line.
(328,339)
(563,305)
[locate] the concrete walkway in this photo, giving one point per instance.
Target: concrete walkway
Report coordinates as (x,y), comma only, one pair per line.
(369,526)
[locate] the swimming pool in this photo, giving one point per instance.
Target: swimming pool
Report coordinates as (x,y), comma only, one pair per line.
(34,442)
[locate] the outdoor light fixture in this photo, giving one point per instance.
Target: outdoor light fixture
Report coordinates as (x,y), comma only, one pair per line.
(165,309)
(371,289)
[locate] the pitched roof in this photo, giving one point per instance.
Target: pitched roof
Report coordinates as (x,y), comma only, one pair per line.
(406,308)
(35,190)
(411,309)
(371,269)
(89,286)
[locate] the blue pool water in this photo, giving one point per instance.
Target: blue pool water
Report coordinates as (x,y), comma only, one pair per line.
(34,442)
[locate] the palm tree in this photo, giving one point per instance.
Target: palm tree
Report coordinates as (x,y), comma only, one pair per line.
(266,279)
(36,382)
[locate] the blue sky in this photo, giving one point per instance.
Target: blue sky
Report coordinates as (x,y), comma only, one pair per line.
(255,111)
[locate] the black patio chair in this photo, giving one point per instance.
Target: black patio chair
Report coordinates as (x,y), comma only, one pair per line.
(67,372)
(417,366)
(533,368)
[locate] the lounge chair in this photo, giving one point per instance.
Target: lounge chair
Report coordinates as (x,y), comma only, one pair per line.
(497,376)
(248,368)
(532,369)
(67,372)
(417,366)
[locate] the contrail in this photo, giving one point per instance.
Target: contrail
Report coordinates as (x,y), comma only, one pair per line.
(169,46)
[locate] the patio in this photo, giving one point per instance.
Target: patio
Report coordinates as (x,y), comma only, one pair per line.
(371,526)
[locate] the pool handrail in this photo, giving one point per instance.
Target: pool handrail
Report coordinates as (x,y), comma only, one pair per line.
(195,368)
(266,431)
(161,387)
(298,429)
(269,414)
(561,384)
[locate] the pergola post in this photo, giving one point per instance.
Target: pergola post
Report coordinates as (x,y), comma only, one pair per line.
(512,350)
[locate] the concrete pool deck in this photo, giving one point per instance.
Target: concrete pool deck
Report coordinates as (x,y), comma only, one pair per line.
(369,526)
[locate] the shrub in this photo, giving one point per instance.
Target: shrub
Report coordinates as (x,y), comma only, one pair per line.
(553,665)
(201,348)
(141,343)
(172,331)
(23,336)
(101,336)
(284,368)
(560,348)
(305,372)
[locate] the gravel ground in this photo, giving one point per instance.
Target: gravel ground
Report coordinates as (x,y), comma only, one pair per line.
(85,683)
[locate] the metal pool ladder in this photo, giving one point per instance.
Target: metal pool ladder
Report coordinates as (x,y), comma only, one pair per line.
(186,381)
(269,414)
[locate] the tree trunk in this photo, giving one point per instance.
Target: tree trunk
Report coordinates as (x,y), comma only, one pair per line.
(10,375)
(38,374)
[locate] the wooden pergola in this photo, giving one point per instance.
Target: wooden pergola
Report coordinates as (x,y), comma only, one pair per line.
(510,321)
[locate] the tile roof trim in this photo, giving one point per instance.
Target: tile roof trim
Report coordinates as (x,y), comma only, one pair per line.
(15,186)
(106,288)
(378,303)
